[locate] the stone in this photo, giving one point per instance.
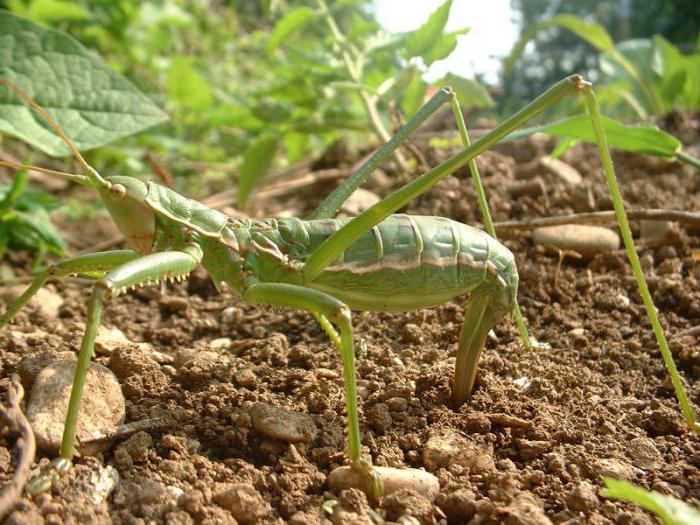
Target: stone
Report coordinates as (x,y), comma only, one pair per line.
(560,169)
(110,339)
(103,406)
(449,448)
(359,201)
(644,454)
(614,468)
(46,302)
(393,479)
(588,241)
(284,425)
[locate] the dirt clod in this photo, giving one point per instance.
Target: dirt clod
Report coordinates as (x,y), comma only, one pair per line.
(284,425)
(582,498)
(244,503)
(525,509)
(449,448)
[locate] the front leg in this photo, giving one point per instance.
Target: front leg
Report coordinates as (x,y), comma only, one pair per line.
(144,270)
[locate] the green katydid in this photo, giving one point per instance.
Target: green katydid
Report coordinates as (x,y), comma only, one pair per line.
(375,261)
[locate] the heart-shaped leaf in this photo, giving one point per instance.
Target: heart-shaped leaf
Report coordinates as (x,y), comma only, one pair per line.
(93,104)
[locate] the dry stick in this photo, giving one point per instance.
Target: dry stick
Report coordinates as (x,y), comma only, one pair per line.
(16,420)
(650,214)
(127,429)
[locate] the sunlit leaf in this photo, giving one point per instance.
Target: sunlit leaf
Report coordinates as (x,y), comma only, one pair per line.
(56,10)
(291,22)
(186,87)
(470,93)
(422,40)
(640,138)
(670,511)
(93,104)
(413,93)
(256,163)
(443,47)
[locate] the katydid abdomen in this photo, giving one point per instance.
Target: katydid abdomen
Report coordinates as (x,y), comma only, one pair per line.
(403,263)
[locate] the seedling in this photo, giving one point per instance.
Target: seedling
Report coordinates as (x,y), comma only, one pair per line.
(376,261)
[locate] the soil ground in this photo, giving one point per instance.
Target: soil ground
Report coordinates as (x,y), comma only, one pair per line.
(540,429)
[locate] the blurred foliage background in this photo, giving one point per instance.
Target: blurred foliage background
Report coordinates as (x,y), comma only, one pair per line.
(256,85)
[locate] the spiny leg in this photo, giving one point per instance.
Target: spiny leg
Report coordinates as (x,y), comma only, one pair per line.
(82,264)
(144,270)
(325,308)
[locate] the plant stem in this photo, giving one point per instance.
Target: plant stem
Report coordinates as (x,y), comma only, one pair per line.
(688,159)
(369,101)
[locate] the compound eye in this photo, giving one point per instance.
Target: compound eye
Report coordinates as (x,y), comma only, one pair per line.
(118,191)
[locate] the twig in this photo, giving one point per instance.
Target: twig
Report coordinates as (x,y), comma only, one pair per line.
(17,423)
(684,217)
(225,197)
(695,330)
(128,429)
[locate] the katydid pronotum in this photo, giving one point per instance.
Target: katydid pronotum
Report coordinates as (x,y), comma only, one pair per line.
(376,261)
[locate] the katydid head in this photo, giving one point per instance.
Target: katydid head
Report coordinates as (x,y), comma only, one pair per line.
(125,200)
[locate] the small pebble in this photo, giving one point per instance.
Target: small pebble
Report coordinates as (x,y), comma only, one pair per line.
(565,172)
(359,201)
(48,303)
(644,454)
(393,479)
(449,448)
(220,344)
(102,409)
(585,240)
(110,339)
(614,468)
(282,424)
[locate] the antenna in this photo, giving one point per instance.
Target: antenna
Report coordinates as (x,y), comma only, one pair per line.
(92,175)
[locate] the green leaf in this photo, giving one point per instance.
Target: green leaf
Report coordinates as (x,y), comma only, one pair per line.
(670,511)
(291,22)
(295,145)
(413,93)
(186,87)
(92,104)
(593,33)
(48,11)
(641,138)
(564,146)
(443,47)
(470,92)
(257,161)
(271,110)
(420,41)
